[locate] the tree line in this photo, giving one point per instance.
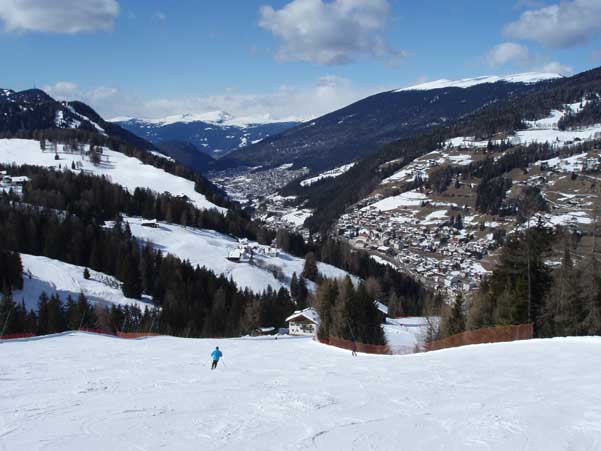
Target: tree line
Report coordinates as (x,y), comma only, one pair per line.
(190,298)
(559,300)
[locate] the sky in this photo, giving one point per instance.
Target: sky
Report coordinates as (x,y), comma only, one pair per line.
(279,59)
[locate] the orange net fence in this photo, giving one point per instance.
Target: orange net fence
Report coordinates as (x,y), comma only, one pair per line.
(490,335)
(351,345)
(136,334)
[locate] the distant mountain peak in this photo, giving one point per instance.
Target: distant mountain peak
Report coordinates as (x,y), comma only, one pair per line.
(217,117)
(527,77)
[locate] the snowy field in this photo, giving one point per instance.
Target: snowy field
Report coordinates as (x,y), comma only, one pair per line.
(332,173)
(126,171)
(56,277)
(210,249)
(80,391)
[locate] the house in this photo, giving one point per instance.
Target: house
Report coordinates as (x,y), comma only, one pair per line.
(235,255)
(152,224)
(303,322)
(259,331)
(271,251)
(382,310)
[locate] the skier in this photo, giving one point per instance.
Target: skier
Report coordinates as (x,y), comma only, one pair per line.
(216,355)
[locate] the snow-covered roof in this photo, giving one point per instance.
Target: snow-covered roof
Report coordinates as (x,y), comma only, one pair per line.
(309,314)
(382,307)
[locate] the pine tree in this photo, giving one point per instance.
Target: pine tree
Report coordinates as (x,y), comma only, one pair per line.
(294,287)
(456,320)
(310,270)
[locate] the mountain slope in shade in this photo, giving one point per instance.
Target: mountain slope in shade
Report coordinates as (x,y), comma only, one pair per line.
(213,133)
(361,128)
(187,154)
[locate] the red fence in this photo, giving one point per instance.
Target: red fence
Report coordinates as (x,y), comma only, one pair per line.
(97,331)
(15,336)
(491,335)
(359,347)
(132,335)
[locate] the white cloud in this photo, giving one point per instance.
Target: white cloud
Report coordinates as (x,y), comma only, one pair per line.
(62,90)
(508,52)
(326,94)
(556,67)
(566,24)
(331,33)
(58,16)
(517,54)
(160,16)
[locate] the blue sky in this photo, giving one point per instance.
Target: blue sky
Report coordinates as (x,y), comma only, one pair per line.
(285,58)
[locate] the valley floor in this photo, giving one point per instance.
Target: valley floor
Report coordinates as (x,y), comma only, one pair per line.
(81,391)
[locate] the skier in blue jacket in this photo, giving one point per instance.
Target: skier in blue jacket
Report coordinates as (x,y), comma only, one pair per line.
(216,355)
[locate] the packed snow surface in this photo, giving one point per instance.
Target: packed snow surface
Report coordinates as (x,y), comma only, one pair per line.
(210,249)
(332,173)
(407,199)
(126,171)
(79,391)
(297,217)
(43,274)
(528,77)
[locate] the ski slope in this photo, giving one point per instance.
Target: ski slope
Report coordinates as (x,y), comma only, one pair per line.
(79,391)
(210,249)
(126,171)
(43,274)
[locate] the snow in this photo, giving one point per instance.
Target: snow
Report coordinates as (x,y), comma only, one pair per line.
(212,117)
(528,77)
(570,164)
(81,391)
(126,171)
(407,199)
(86,118)
(56,277)
(332,173)
(436,217)
(308,313)
(210,249)
(297,217)
(541,131)
(405,335)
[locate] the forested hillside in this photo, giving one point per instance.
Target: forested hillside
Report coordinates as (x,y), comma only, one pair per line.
(330,197)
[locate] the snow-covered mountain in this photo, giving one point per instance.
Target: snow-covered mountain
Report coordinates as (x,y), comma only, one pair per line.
(215,133)
(358,130)
(126,171)
(527,77)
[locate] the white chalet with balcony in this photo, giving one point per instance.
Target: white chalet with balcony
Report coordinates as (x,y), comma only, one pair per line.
(303,322)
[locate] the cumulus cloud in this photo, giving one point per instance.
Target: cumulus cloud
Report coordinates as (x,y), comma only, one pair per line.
(520,55)
(330,33)
(508,52)
(566,24)
(556,67)
(286,102)
(58,16)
